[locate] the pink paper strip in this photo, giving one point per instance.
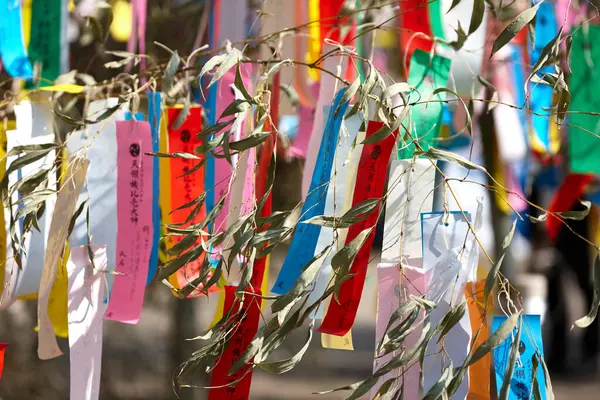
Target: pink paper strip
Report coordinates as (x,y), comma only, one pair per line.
(134,216)
(86,305)
(305,126)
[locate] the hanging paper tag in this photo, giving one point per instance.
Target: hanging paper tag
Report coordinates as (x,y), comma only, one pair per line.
(187,183)
(530,345)
(446,253)
(337,342)
(372,170)
(388,301)
(546,28)
(245,319)
(154,114)
(414,19)
(326,94)
(410,192)
(45,43)
(2,351)
(427,73)
(479,372)
(584,148)
(100,139)
(12,48)
(63,212)
(86,296)
(338,200)
(3,227)
(305,238)
(134,213)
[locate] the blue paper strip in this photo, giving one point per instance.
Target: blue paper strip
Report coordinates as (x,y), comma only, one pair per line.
(304,242)
(546,28)
(138,117)
(211,115)
(154,112)
(12,48)
(531,343)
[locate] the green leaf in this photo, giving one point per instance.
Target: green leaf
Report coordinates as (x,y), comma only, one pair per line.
(495,339)
(282,366)
(514,27)
(237,106)
(490,281)
(586,321)
(358,213)
(239,85)
(169,74)
(253,140)
(477,15)
(452,318)
(343,259)
(323,220)
(512,360)
(549,391)
(232,58)
(303,282)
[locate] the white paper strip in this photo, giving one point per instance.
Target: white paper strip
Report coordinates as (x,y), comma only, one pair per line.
(86,297)
(65,207)
(447,245)
(466,62)
(338,200)
(101,186)
(38,119)
(410,192)
(327,89)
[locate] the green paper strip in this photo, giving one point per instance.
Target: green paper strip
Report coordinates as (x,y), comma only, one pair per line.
(584,144)
(435,19)
(45,46)
(426,118)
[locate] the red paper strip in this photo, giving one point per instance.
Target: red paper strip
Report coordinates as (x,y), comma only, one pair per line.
(414,18)
(330,11)
(187,188)
(372,171)
(246,318)
(2,350)
(565,197)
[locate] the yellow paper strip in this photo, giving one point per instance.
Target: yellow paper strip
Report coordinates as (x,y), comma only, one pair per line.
(314,40)
(64,87)
(337,342)
(10,125)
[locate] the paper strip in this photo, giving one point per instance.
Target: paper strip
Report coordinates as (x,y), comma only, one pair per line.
(479,373)
(134,213)
(531,344)
(2,351)
(446,253)
(12,48)
(101,183)
(86,294)
(65,206)
(546,28)
(410,192)
(427,73)
(338,200)
(326,95)
(154,113)
(337,342)
(164,176)
(372,170)
(246,319)
(186,188)
(388,301)
(45,43)
(584,151)
(414,19)
(564,199)
(305,238)
(3,228)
